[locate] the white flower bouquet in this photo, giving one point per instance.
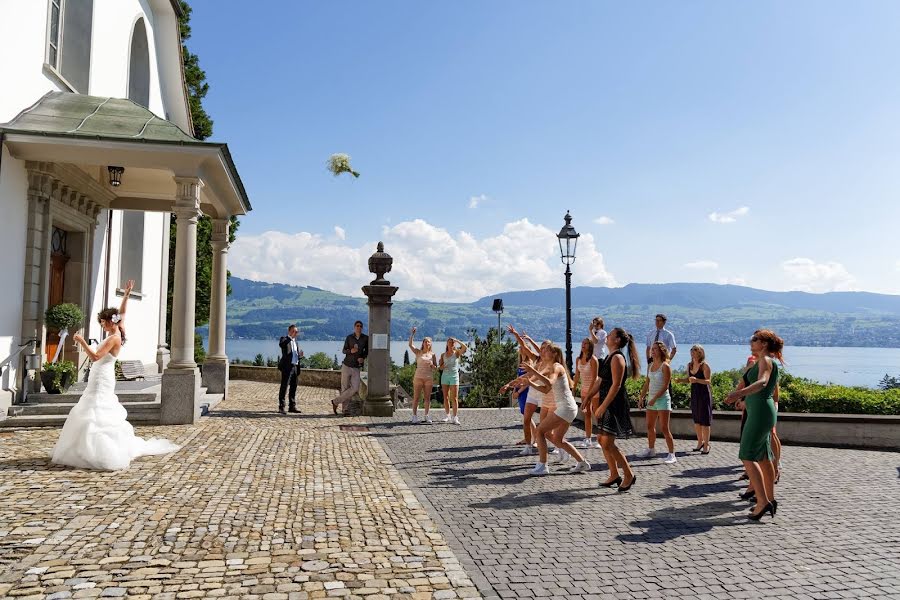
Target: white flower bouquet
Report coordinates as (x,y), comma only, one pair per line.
(340,163)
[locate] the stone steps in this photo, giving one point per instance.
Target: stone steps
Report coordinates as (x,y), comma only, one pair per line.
(72,398)
(145,415)
(133,408)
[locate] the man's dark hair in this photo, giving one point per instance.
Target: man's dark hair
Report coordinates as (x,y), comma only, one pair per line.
(293,326)
(662,316)
(360,323)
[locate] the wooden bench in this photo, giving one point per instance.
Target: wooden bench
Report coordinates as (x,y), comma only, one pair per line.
(131,370)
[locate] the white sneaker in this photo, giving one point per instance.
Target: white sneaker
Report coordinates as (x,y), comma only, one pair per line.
(415,419)
(564,458)
(582,467)
(540,469)
(456,421)
(585,443)
(527,450)
(670,459)
(446,419)
(554,452)
(593,443)
(428,419)
(646,453)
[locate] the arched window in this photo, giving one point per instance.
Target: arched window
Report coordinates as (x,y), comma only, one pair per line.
(139,66)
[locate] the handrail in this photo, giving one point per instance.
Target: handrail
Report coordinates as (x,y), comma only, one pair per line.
(9,358)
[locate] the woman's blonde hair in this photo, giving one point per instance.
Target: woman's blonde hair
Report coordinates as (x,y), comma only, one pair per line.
(699,350)
(426,339)
(661,348)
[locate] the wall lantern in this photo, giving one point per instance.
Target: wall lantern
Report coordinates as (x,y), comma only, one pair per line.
(115,175)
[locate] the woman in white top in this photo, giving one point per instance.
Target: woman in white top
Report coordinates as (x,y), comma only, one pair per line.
(531,400)
(558,384)
(585,373)
(659,408)
(598,336)
(423,380)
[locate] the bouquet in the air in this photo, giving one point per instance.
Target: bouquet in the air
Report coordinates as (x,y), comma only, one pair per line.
(340,163)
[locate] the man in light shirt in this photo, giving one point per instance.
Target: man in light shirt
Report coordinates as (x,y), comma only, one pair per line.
(661,334)
(290,369)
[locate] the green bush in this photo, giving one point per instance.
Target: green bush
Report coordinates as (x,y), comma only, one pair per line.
(319,360)
(492,362)
(64,316)
(796,395)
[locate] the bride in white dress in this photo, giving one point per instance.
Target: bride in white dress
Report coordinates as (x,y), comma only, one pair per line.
(96,434)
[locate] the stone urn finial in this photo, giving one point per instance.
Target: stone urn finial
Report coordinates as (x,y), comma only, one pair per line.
(380,263)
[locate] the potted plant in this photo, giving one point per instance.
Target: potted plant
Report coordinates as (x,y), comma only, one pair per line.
(63,317)
(57,377)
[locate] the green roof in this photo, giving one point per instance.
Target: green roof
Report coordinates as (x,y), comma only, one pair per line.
(93,116)
(65,114)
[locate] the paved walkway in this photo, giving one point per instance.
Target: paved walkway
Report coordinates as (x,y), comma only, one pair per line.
(255,505)
(680,532)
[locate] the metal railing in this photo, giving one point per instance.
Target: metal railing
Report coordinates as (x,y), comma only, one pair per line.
(30,345)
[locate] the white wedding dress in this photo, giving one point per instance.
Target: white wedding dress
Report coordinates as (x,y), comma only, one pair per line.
(96,434)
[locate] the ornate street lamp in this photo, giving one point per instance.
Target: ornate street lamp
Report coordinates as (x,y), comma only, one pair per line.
(568,240)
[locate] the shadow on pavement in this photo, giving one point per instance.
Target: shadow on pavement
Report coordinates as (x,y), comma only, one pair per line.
(693,491)
(514,501)
(706,472)
(671,523)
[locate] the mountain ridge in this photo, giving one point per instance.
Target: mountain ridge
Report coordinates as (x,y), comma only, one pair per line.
(698,313)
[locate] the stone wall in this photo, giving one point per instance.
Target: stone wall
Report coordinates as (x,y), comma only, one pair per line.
(310,377)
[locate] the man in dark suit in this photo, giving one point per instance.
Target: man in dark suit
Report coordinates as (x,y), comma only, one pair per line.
(290,369)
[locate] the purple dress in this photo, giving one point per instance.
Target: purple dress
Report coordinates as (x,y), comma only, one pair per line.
(701,400)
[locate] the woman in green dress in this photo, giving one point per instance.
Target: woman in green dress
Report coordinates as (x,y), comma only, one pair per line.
(757,389)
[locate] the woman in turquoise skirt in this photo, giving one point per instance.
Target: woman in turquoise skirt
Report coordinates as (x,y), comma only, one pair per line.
(449,366)
(757,389)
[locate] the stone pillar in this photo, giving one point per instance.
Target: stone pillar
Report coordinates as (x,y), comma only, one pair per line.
(37,266)
(378,402)
(215,369)
(180,389)
(162,348)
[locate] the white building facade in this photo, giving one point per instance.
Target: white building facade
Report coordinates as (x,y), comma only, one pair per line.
(88,89)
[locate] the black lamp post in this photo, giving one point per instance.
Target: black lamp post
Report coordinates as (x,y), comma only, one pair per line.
(498,308)
(568,240)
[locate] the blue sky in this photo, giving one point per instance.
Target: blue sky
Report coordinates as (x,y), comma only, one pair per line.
(756,143)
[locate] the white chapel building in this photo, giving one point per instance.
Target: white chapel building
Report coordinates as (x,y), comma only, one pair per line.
(96,154)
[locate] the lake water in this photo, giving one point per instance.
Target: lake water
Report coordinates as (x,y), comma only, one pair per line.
(843,366)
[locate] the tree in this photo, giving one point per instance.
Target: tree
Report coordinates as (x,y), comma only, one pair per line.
(319,360)
(492,363)
(197,87)
(336,365)
(405,357)
(259,361)
(889,383)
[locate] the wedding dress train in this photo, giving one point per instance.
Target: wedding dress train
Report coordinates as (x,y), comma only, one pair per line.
(96,434)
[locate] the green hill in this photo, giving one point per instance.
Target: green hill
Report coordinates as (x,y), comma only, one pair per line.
(703,313)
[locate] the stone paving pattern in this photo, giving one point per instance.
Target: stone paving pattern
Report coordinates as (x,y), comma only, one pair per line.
(680,532)
(255,505)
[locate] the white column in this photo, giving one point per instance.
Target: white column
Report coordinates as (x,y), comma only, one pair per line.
(162,349)
(187,212)
(219,289)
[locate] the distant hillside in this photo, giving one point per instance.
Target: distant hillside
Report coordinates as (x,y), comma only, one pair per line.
(698,313)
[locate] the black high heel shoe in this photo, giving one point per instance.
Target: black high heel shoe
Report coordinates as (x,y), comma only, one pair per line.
(768,508)
(617,481)
(747,495)
(774,507)
(627,487)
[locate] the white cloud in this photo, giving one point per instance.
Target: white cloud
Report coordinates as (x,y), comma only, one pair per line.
(702,264)
(809,276)
(474,201)
(340,233)
(729,217)
(733,281)
(604,221)
(429,262)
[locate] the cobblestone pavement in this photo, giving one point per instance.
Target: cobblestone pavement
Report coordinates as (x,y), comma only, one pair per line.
(255,505)
(680,532)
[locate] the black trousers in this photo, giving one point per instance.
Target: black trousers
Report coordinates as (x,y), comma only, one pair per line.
(288,378)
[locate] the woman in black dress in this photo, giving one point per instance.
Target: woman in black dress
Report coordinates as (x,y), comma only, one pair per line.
(613,412)
(699,375)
